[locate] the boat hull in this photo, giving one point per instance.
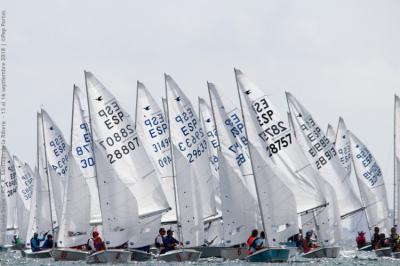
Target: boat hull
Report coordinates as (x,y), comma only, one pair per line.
(269,255)
(37,254)
(231,253)
(140,255)
(208,252)
(366,248)
(383,252)
(180,255)
(396,255)
(68,254)
(109,256)
(323,252)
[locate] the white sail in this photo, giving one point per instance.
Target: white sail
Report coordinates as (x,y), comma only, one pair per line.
(152,129)
(276,200)
(342,146)
(321,152)
(396,191)
(3,217)
(371,184)
(283,148)
(39,214)
(127,182)
(56,157)
(330,134)
(81,150)
(9,185)
(193,177)
(25,189)
(239,201)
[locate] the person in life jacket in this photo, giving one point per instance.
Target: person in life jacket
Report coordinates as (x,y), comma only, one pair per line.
(361,241)
(96,243)
(258,243)
(35,241)
(49,243)
(250,240)
(159,241)
(394,240)
(308,242)
(375,238)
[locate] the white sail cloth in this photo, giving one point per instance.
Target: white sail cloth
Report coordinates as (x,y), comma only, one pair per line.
(396,193)
(25,178)
(127,182)
(9,186)
(152,129)
(321,152)
(240,210)
(283,148)
(371,184)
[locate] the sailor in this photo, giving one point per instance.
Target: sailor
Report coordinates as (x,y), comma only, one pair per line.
(258,243)
(35,241)
(361,242)
(375,238)
(383,242)
(308,242)
(159,241)
(250,240)
(48,243)
(170,242)
(394,239)
(96,243)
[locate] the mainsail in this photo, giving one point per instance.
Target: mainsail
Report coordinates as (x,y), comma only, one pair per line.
(152,129)
(371,184)
(239,203)
(25,178)
(321,152)
(330,134)
(9,186)
(127,182)
(283,148)
(193,178)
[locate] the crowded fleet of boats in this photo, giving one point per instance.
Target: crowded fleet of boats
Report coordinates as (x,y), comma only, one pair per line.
(211,177)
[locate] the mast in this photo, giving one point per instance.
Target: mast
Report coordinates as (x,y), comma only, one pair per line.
(47,175)
(92,142)
(136,104)
(251,163)
(173,165)
(395,213)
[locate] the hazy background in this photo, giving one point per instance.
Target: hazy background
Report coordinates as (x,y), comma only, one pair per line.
(339,58)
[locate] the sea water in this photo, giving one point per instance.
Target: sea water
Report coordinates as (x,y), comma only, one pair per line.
(346,258)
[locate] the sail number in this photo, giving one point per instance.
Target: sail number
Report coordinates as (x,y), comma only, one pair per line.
(123,150)
(374,171)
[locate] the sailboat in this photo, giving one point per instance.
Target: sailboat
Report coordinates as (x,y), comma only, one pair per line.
(302,178)
(372,188)
(9,185)
(41,218)
(129,189)
(276,202)
(77,209)
(239,207)
(194,200)
(25,180)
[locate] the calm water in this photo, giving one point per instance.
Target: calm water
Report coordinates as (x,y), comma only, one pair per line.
(347,258)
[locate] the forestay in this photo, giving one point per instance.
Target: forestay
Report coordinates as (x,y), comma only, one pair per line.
(152,129)
(127,182)
(9,186)
(321,152)
(371,184)
(25,189)
(194,181)
(240,210)
(283,148)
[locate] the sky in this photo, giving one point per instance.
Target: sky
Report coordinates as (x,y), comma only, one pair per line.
(339,58)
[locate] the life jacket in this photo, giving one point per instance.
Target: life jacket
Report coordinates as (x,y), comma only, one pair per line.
(98,244)
(360,241)
(250,242)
